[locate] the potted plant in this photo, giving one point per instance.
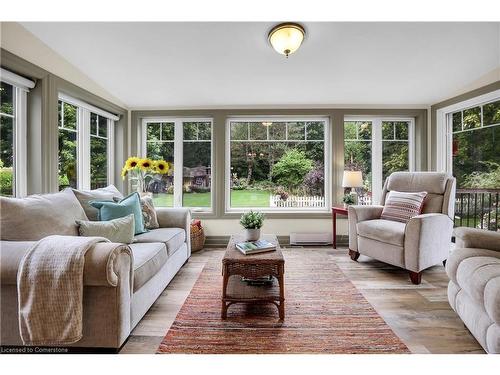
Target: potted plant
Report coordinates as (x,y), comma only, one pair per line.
(348,199)
(252,221)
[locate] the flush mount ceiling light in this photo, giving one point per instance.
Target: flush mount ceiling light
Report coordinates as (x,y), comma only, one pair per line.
(286,38)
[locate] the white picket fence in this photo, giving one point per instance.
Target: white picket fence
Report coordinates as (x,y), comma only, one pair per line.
(296,201)
(365,200)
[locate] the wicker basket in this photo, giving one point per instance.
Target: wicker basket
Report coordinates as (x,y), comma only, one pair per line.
(197,237)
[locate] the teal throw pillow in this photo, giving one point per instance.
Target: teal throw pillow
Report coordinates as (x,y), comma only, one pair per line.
(114,210)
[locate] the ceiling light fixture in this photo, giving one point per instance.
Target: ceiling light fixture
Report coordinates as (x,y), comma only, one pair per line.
(286,38)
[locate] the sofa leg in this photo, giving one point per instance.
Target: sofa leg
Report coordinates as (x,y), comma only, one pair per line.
(353,254)
(444,263)
(415,277)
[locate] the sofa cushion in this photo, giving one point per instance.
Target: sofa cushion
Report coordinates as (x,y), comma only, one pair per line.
(38,216)
(460,254)
(474,273)
(149,258)
(103,194)
(119,230)
(173,238)
(387,231)
(431,182)
(402,206)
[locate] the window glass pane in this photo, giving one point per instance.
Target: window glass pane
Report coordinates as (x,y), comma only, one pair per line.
(387,130)
(6,98)
(153,131)
(350,131)
(98,162)
(70,113)
(162,189)
(239,130)
(296,131)
(258,131)
(315,130)
(394,158)
(59,113)
(278,174)
(67,159)
(277,131)
(93,124)
(472,118)
(457,121)
(358,157)
(196,174)
(365,130)
(6,156)
(402,130)
(491,113)
(167,131)
(103,126)
(205,131)
(190,130)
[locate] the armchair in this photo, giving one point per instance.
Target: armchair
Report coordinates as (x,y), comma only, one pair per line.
(419,244)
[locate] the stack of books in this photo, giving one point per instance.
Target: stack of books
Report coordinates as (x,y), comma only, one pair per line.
(255,247)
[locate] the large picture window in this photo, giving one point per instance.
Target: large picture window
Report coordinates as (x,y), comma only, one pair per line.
(276,164)
(186,144)
(377,147)
(13,115)
(85,145)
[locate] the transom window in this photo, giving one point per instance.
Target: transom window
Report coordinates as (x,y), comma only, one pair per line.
(276,164)
(85,145)
(186,144)
(377,147)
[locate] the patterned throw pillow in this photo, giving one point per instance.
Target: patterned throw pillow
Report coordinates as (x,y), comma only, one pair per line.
(402,207)
(148,213)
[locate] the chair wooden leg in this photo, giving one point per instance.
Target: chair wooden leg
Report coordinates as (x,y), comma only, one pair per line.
(415,277)
(444,262)
(353,254)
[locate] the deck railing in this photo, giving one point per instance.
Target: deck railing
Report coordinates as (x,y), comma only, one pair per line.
(478,208)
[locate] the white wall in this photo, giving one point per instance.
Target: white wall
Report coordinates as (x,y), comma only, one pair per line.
(16,39)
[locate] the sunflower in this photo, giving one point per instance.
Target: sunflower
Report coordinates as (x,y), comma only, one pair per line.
(131,163)
(124,172)
(161,166)
(146,164)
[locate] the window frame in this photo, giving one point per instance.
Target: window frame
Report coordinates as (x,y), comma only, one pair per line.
(444,127)
(377,147)
(327,163)
(179,155)
(21,87)
(84,110)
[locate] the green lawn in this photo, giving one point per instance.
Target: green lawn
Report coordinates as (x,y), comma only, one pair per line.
(239,198)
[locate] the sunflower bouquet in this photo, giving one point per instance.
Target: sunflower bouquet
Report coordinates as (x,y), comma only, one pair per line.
(144,171)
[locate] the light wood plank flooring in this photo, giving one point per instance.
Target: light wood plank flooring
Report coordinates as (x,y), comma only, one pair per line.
(419,315)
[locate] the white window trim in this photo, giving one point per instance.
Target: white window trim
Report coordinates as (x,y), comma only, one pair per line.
(83,140)
(377,182)
(179,155)
(326,163)
(444,136)
(21,87)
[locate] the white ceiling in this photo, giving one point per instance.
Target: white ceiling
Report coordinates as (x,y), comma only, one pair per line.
(231,64)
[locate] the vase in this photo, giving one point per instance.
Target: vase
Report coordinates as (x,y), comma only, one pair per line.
(252,234)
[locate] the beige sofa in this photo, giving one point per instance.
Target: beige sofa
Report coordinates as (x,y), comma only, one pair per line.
(474,287)
(121,282)
(419,244)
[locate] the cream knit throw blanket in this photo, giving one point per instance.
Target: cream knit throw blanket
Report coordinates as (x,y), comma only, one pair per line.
(50,290)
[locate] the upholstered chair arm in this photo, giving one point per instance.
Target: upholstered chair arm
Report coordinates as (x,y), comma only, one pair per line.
(477,238)
(176,218)
(356,214)
(427,241)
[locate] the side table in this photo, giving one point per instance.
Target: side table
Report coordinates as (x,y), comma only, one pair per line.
(336,211)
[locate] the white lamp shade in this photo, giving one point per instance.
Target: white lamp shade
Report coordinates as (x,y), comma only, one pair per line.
(352,179)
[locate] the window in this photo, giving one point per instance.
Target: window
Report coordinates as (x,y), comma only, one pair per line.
(85,139)
(276,164)
(13,102)
(186,144)
(377,147)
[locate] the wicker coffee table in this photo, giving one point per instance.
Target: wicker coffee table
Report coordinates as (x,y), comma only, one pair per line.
(236,265)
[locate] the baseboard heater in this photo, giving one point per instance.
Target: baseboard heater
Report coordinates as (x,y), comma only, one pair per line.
(310,238)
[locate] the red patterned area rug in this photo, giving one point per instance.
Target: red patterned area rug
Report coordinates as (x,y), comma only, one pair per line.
(325,313)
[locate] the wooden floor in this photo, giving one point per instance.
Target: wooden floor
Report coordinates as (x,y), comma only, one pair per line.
(419,314)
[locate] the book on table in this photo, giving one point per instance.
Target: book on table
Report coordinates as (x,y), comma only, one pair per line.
(255,247)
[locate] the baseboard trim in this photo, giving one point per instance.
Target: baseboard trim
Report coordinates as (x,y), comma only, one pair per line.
(222,241)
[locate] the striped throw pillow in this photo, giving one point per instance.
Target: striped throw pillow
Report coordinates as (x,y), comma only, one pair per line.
(402,207)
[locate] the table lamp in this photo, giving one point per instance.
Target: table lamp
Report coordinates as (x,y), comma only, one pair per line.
(352,179)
